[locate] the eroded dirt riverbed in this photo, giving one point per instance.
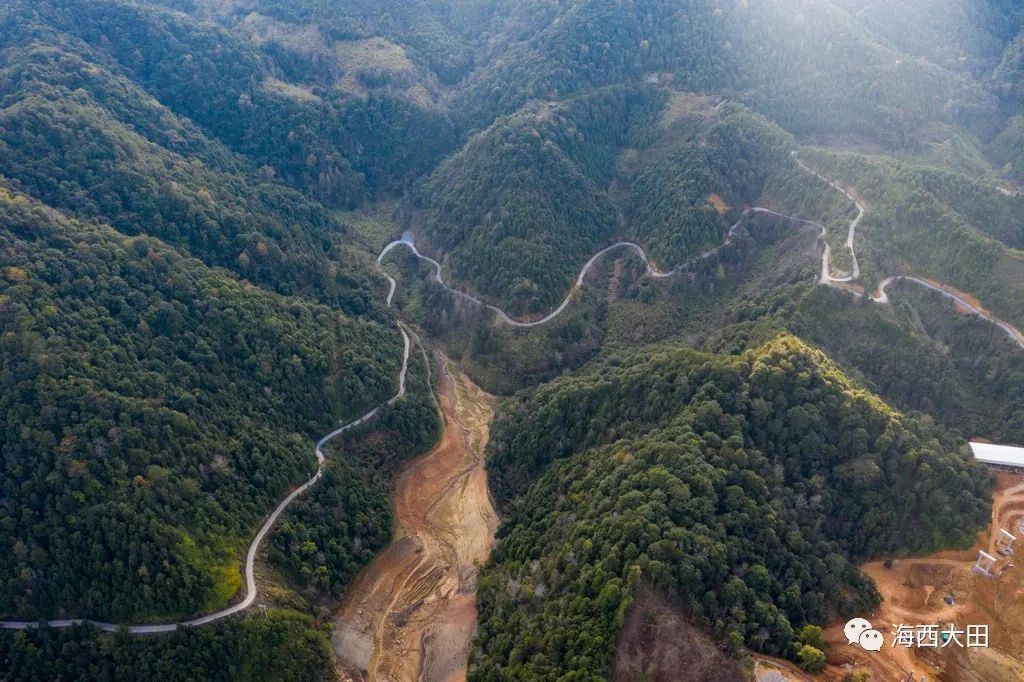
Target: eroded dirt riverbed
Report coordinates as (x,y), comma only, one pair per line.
(411,613)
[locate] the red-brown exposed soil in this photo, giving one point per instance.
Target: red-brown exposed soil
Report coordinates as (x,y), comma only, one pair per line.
(719,204)
(915,591)
(410,614)
(658,643)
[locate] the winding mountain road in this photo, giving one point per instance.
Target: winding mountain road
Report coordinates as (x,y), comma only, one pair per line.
(407,240)
(826,278)
(1011,331)
(882,296)
(251,589)
(851,232)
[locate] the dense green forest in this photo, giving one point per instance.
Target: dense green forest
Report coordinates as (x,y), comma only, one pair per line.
(811,65)
(276,86)
(742,486)
(522,206)
(154,410)
(276,645)
(80,136)
(144,390)
(336,528)
(336,149)
(733,154)
(955,34)
(192,195)
(554,50)
(960,370)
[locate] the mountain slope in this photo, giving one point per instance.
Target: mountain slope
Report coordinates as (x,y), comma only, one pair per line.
(956,34)
(936,224)
(744,487)
(522,205)
(80,136)
(154,409)
(542,50)
(705,154)
(227,86)
(192,194)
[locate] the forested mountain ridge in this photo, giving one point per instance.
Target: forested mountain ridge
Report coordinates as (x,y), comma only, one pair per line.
(344,75)
(336,150)
(523,204)
(956,34)
(741,486)
(724,154)
(79,135)
(144,391)
(962,372)
(810,65)
(540,50)
(192,196)
(564,179)
(813,68)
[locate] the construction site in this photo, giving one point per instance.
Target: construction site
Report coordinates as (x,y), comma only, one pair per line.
(953,590)
(979,587)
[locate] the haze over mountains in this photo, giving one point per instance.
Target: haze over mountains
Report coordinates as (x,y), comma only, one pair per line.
(193,195)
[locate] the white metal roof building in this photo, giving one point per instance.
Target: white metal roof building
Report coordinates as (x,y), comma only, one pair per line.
(999,455)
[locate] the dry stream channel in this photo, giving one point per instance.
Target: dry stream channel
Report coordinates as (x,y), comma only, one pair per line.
(411,613)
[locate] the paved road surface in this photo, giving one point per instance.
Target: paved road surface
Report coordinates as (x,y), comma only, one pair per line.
(826,278)
(251,589)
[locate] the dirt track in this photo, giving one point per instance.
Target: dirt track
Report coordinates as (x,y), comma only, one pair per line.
(411,613)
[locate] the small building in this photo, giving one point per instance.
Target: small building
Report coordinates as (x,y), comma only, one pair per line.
(999,455)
